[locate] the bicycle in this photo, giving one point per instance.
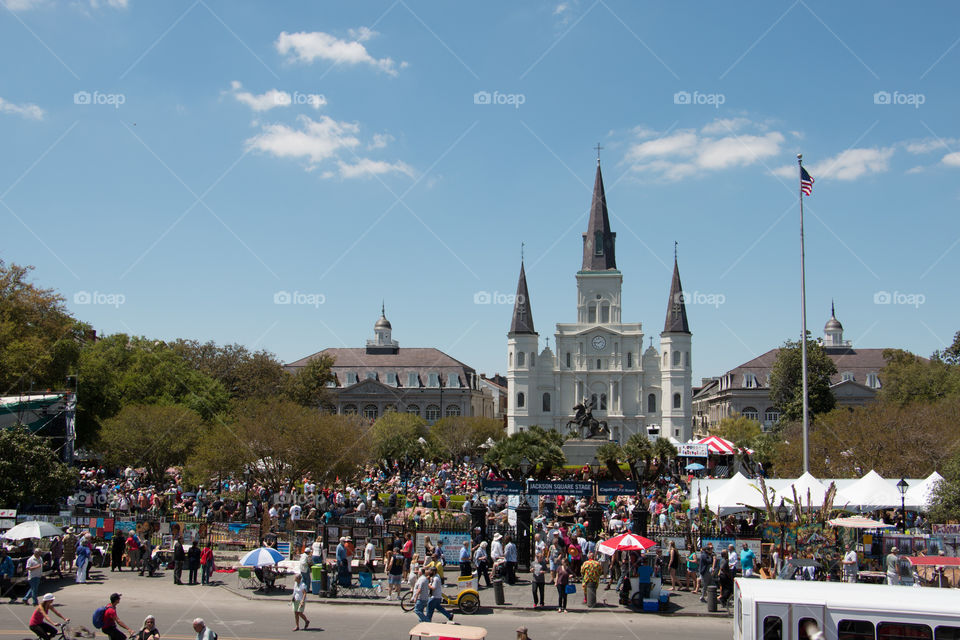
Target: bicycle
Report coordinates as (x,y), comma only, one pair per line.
(64,632)
(467,601)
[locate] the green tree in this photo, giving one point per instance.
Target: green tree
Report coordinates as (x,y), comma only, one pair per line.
(950,355)
(399,439)
(308,386)
(244,374)
(30,472)
(663,453)
(279,442)
(945,502)
(40,341)
(542,447)
(638,449)
(786,380)
(908,378)
(739,430)
(610,454)
(459,436)
(151,436)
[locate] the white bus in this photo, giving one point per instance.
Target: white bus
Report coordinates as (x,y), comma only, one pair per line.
(783,609)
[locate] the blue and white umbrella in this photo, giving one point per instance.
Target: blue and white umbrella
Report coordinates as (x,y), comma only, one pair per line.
(261,557)
(695,466)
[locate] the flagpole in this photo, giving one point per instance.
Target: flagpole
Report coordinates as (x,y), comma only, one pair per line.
(803,334)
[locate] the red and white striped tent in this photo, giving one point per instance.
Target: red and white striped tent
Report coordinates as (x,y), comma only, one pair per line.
(718,445)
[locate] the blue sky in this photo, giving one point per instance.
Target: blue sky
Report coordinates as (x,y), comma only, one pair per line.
(172,167)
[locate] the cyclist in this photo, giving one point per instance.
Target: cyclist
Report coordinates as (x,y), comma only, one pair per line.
(40,621)
(111,621)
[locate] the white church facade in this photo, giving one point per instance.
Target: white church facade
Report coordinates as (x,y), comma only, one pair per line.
(600,359)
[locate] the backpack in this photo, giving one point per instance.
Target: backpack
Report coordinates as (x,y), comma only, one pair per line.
(98,616)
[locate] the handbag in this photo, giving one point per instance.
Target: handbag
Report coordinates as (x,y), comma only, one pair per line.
(571,588)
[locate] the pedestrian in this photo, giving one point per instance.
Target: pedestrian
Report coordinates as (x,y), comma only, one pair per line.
(304,567)
(56,554)
(111,620)
(370,556)
(133,550)
(673,564)
(421,596)
(725,577)
(193,562)
(562,580)
(591,572)
(299,601)
(7,571)
(83,561)
(692,576)
(510,556)
(705,569)
(407,552)
(206,563)
(891,563)
(465,569)
(850,565)
(538,580)
(178,558)
(203,631)
(395,563)
(556,553)
(34,575)
(747,560)
(149,629)
(41,622)
(522,633)
(436,598)
(69,550)
(146,556)
(482,560)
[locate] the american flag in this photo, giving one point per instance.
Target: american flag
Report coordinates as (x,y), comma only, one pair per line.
(806,182)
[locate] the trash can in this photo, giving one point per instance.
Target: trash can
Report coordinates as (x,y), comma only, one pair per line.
(324,579)
(590,589)
(712,598)
(316,577)
(498,591)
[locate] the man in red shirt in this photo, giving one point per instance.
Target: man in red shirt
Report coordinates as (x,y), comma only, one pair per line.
(407,553)
(133,550)
(111,621)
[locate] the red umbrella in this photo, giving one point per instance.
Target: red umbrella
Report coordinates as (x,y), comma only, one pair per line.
(625,542)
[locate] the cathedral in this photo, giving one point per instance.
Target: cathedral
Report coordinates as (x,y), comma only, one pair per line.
(600,361)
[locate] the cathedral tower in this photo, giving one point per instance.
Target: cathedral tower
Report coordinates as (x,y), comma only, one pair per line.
(676,371)
(522,347)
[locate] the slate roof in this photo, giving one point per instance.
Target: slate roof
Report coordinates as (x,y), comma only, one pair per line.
(599,223)
(522,321)
(676,321)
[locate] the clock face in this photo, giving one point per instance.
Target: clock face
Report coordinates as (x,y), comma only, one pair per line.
(599,342)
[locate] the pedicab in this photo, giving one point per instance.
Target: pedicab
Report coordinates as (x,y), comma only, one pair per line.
(467,601)
(447,631)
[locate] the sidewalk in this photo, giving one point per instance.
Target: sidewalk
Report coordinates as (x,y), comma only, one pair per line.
(516,597)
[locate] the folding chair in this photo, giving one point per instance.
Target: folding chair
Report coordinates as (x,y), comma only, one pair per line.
(247,579)
(362,588)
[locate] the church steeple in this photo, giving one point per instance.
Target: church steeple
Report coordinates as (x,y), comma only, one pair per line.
(599,242)
(676,321)
(522,322)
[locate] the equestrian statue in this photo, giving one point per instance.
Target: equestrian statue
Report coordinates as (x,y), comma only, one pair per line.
(584,424)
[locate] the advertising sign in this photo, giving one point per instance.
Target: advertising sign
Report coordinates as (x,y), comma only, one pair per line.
(560,488)
(692,450)
(498,487)
(616,488)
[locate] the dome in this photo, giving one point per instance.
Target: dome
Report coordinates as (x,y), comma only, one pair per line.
(382,323)
(833,325)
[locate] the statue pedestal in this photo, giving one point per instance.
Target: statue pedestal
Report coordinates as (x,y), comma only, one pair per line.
(581,452)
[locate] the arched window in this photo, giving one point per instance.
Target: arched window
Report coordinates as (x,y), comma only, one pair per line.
(510,359)
(414,409)
(605,312)
(533,359)
(652,403)
(592,313)
(598,363)
(677,401)
(603,402)
(452,410)
(665,356)
(370,412)
(686,358)
(432,413)
(771,415)
(546,403)
(629,359)
(750,413)
(568,359)
(350,410)
(520,356)
(593,401)
(676,358)
(521,400)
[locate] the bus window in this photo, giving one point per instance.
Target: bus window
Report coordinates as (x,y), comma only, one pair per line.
(903,631)
(855,630)
(804,629)
(946,633)
(772,628)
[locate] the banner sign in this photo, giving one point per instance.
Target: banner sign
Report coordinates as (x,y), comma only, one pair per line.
(497,487)
(8,513)
(560,488)
(616,488)
(692,450)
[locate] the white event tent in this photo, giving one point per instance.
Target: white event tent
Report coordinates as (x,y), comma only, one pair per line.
(804,484)
(736,494)
(868,493)
(919,495)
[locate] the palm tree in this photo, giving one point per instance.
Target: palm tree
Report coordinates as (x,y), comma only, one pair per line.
(663,451)
(610,454)
(638,448)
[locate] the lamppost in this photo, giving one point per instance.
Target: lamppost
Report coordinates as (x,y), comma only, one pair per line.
(523,518)
(902,487)
(595,511)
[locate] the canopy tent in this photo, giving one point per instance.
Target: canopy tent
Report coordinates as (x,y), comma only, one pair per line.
(858,522)
(718,445)
(919,495)
(868,493)
(804,484)
(737,494)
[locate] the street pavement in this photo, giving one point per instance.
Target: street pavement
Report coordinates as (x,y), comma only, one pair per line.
(238,615)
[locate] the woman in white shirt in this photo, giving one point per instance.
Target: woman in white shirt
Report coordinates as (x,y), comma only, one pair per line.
(299,602)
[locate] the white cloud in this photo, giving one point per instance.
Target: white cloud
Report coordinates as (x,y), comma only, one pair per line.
(380,140)
(28,5)
(926,145)
(687,152)
(917,169)
(311,46)
(23,5)
(263,102)
(362,34)
(26,110)
(951,159)
(319,141)
(847,165)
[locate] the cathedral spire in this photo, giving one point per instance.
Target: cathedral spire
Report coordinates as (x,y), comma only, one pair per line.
(676,321)
(522,315)
(599,241)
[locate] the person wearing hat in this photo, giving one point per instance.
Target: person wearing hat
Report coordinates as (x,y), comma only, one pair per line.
(40,622)
(522,633)
(496,549)
(482,560)
(891,564)
(111,621)
(34,568)
(69,550)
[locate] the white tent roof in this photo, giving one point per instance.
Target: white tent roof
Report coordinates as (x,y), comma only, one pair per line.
(736,494)
(919,494)
(803,484)
(868,493)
